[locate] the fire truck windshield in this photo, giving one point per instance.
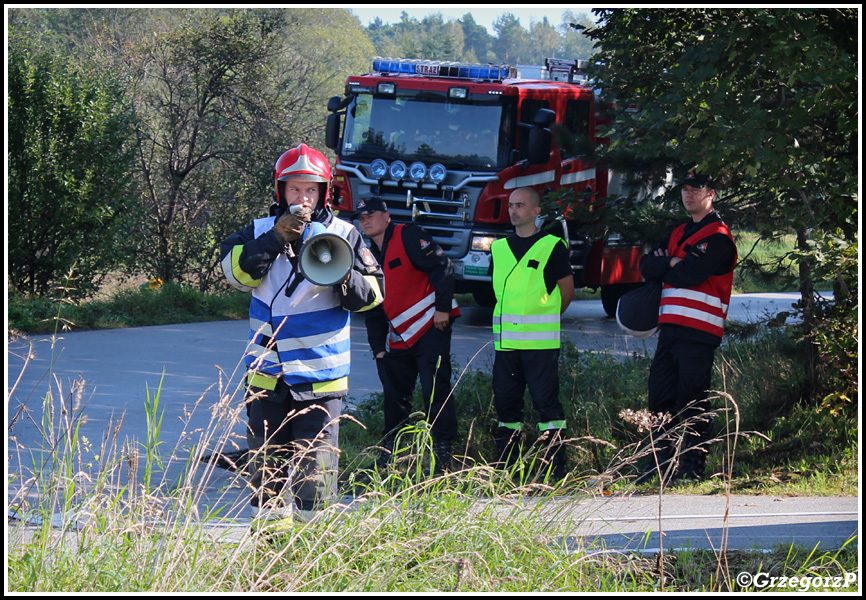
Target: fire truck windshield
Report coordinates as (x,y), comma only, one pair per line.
(465,135)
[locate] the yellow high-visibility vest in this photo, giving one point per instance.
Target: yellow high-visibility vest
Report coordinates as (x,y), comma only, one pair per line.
(526,317)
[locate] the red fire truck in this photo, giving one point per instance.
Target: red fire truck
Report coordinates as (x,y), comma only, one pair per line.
(444,144)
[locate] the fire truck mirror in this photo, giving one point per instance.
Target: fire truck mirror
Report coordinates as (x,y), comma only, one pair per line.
(335,103)
(544,117)
(539,145)
(332,131)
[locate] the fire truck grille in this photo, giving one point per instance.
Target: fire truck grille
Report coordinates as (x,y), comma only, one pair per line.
(449,222)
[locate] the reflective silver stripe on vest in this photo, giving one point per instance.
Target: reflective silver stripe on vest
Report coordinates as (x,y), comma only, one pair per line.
(527,319)
(296,366)
(318,364)
(415,328)
(261,327)
(695,296)
(530,336)
(313,341)
(413,310)
(692,313)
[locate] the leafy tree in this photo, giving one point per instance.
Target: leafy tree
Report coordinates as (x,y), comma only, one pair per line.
(432,37)
(466,40)
(476,40)
(382,38)
(199,91)
(441,39)
(767,101)
(544,42)
(321,47)
(70,162)
(220,95)
(574,43)
(512,40)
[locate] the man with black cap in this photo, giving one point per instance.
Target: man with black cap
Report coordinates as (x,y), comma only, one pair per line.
(695,264)
(410,334)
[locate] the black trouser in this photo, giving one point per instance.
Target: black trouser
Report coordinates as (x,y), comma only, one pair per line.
(430,361)
(514,371)
(679,380)
(294,446)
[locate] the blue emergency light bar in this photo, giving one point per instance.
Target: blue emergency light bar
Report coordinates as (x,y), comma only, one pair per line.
(432,68)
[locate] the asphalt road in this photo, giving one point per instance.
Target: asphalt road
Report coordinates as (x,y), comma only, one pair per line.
(195,371)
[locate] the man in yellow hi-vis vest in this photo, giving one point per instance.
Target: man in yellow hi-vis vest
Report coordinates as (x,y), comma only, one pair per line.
(534,284)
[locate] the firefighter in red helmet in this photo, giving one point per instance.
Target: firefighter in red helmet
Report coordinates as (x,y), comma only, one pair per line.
(299,348)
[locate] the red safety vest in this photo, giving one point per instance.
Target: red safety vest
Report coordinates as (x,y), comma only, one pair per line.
(410,299)
(704,307)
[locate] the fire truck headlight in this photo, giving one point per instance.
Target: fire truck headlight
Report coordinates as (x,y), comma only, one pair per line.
(397,170)
(481,243)
(378,168)
(458,92)
(386,88)
(437,173)
(417,171)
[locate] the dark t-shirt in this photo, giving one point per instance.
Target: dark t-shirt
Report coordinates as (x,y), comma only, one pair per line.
(556,268)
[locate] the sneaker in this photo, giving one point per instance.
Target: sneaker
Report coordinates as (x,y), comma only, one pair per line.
(273,517)
(268,522)
(272,528)
(274,509)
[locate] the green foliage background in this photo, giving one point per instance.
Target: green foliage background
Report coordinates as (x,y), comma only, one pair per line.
(71,139)
(765,100)
(188,109)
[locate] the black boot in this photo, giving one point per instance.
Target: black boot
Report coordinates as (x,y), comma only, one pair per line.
(692,465)
(441,456)
(268,468)
(508,447)
(663,461)
(554,456)
(386,456)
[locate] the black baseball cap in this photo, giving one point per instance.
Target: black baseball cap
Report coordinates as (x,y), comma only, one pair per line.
(368,206)
(698,180)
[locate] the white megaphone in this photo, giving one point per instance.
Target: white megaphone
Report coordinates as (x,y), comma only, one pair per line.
(325,258)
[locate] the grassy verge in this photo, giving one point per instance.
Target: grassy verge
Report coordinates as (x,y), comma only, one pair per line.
(170,303)
(121,524)
(426,537)
(474,530)
(783,444)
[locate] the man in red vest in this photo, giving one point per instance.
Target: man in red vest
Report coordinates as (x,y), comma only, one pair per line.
(695,263)
(410,334)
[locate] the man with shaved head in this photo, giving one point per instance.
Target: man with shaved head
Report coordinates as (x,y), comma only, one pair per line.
(534,284)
